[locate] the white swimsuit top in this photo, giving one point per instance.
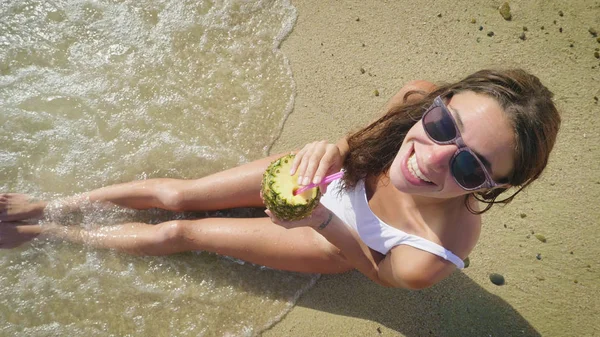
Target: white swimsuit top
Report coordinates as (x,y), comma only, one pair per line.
(352,207)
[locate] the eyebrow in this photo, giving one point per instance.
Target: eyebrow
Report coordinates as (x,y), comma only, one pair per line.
(461,127)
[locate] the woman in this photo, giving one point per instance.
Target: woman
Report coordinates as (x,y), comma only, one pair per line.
(405,214)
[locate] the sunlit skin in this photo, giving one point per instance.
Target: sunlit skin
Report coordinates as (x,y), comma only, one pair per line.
(434,211)
(485,129)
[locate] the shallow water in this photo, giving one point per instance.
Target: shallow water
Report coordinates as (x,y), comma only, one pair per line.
(95,93)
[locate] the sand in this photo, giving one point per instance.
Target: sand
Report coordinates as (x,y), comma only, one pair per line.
(341,52)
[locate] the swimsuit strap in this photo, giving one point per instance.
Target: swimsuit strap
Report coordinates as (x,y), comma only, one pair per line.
(431,247)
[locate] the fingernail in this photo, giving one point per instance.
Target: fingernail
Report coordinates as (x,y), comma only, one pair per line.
(305,181)
(316,180)
(299,180)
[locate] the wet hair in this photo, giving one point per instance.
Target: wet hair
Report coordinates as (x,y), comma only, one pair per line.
(524,99)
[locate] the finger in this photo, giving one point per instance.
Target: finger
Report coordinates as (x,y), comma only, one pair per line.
(305,161)
(269,214)
(297,159)
(313,163)
(327,161)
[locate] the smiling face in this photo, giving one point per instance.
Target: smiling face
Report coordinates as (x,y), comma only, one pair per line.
(423,167)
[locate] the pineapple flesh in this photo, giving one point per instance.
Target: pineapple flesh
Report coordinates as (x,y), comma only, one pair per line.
(278,188)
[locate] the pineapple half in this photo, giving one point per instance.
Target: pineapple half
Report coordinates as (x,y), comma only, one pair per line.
(278,188)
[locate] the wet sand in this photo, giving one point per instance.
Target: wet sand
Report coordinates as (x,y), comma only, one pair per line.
(343,52)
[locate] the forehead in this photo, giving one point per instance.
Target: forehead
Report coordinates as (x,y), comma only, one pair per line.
(485,129)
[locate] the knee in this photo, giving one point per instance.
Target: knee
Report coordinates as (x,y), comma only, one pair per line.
(171,233)
(420,85)
(412,92)
(170,194)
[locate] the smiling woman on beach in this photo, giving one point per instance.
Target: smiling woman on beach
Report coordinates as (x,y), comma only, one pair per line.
(405,214)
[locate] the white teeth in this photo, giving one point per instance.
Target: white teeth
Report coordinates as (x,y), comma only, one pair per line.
(414,168)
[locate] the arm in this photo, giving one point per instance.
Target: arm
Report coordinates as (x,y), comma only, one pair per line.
(403,267)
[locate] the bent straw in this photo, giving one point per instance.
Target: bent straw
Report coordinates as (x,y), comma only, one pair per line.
(326,180)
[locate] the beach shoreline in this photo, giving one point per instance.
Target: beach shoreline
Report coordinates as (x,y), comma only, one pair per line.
(348,58)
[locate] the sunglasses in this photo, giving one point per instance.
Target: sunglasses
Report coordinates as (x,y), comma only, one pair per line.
(467,169)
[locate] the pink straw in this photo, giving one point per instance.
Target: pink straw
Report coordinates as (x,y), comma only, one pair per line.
(326,180)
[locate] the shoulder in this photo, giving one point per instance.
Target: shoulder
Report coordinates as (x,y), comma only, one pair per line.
(415,269)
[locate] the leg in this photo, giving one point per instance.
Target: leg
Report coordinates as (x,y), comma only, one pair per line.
(256,240)
(236,187)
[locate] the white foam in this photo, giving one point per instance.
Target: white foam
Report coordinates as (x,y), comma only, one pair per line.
(102,92)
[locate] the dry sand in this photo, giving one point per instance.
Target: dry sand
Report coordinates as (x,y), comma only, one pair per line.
(398,41)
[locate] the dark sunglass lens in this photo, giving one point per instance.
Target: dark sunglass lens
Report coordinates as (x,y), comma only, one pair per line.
(467,171)
(439,125)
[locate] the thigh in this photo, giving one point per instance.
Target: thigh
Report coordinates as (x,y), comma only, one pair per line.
(235,187)
(259,241)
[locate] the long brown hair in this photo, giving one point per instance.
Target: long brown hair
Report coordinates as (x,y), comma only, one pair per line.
(525,100)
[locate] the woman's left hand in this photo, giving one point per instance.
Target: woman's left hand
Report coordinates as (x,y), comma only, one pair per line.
(317,217)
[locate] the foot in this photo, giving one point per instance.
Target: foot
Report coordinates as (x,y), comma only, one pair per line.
(17,207)
(14,234)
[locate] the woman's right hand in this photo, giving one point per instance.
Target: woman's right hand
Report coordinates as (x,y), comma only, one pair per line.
(315,161)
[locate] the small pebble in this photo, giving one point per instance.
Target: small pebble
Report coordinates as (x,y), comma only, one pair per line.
(540,278)
(597,55)
(532,232)
(480,27)
(593,32)
(560,30)
(598,40)
(560,13)
(505,11)
(473,20)
(362,70)
(379,330)
(554,22)
(497,279)
(490,34)
(540,237)
(596,98)
(571,252)
(523,215)
(439,15)
(575,281)
(467,262)
(357,19)
(522,36)
(542,27)
(538,256)
(571,45)
(525,28)
(376,92)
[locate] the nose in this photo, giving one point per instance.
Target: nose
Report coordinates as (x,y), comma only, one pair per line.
(438,159)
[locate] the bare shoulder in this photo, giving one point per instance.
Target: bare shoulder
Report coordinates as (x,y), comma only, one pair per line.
(417,269)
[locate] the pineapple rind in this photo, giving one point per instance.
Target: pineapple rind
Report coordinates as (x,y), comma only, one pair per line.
(277,192)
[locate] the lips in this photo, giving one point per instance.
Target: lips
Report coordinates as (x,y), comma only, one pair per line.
(412,173)
(413,167)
